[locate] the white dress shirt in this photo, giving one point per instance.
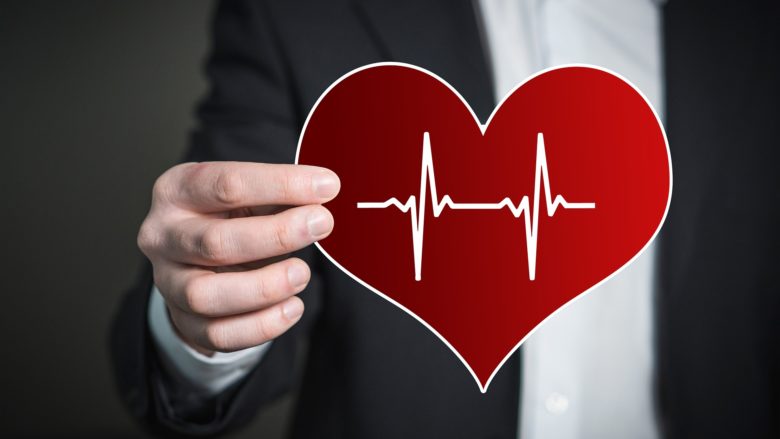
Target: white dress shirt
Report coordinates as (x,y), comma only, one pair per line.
(588,371)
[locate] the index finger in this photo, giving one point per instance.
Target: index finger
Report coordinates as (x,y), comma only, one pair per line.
(220,186)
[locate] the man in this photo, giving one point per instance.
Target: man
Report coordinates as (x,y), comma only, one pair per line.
(217,235)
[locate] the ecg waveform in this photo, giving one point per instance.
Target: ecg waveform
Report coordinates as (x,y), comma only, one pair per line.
(522,208)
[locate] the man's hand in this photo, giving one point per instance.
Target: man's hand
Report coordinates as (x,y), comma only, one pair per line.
(217,234)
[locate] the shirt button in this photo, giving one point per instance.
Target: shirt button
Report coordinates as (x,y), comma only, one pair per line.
(556,403)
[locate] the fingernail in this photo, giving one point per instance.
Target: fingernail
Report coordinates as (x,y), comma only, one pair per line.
(292,309)
(319,224)
(298,275)
(326,184)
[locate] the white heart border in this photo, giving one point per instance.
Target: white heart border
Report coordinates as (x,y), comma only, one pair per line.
(483,127)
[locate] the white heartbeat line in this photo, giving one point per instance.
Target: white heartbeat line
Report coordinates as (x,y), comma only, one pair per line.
(531,223)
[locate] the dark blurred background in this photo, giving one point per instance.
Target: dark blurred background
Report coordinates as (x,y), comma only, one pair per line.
(96,100)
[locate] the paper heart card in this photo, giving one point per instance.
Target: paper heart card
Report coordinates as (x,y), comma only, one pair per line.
(483,231)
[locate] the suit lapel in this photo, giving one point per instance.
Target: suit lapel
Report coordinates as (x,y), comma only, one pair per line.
(441,36)
(712,240)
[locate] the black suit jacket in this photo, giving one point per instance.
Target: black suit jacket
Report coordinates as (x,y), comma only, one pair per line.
(372,371)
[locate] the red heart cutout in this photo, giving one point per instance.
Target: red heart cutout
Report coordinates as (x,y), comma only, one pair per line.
(570,181)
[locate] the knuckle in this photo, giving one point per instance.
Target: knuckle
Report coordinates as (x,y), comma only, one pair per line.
(167,186)
(198,297)
(261,289)
(213,243)
(148,238)
(217,336)
(228,188)
(281,236)
(162,187)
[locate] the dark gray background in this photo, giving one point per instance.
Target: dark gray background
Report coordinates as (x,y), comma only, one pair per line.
(96,100)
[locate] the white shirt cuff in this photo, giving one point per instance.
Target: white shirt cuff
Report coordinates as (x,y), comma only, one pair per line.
(210,375)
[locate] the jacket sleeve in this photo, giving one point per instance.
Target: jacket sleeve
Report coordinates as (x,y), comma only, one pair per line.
(250,114)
